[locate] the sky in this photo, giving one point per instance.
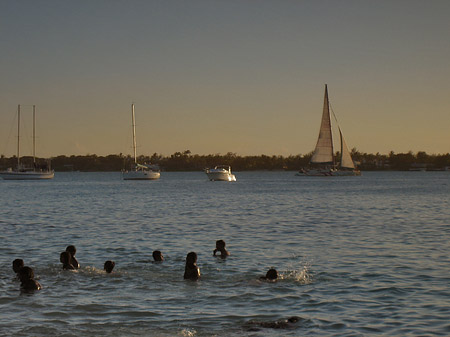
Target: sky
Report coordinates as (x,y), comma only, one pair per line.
(212,77)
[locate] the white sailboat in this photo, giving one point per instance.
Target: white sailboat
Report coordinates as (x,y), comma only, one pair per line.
(139,171)
(22,172)
(322,162)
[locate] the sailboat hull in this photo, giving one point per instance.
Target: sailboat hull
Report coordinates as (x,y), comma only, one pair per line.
(315,173)
(327,173)
(344,173)
(27,175)
(141,175)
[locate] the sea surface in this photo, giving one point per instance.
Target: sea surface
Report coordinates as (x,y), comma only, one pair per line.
(357,256)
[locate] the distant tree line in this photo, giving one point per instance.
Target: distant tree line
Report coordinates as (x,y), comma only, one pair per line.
(186,161)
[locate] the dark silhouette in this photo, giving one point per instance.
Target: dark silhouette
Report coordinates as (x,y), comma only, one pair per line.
(220,247)
(17,264)
(289,323)
(191,271)
(66,260)
(109,266)
(28,283)
(271,275)
(157,256)
(187,161)
(72,251)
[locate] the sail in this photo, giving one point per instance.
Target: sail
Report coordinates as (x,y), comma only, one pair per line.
(323,153)
(346,159)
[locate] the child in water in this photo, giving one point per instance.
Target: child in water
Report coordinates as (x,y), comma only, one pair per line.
(191,271)
(72,251)
(157,256)
(220,247)
(16,265)
(109,266)
(271,275)
(66,260)
(28,283)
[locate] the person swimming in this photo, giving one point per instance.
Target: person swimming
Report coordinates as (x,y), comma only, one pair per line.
(109,266)
(66,260)
(28,283)
(72,251)
(17,264)
(220,247)
(191,271)
(157,256)
(289,323)
(271,275)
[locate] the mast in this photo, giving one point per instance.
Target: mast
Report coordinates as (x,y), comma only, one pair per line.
(342,147)
(18,136)
(34,134)
(134,132)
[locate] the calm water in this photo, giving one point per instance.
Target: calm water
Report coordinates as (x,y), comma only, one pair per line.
(358,256)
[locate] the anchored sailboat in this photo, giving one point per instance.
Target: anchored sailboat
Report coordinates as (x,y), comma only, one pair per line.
(322,162)
(22,172)
(139,171)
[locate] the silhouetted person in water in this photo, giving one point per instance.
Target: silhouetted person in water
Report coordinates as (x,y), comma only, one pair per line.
(191,271)
(271,275)
(72,251)
(288,323)
(28,283)
(157,256)
(66,260)
(109,266)
(220,247)
(16,265)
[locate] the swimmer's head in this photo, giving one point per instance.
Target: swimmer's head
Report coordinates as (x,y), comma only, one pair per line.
(72,250)
(191,258)
(220,244)
(26,273)
(17,264)
(64,257)
(157,256)
(272,274)
(109,266)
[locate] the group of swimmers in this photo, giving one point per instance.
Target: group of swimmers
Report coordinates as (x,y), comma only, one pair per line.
(67,258)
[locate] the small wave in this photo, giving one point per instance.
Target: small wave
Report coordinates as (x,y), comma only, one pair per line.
(391,290)
(188,332)
(303,275)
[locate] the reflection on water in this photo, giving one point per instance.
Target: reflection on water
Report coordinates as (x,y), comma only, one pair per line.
(356,255)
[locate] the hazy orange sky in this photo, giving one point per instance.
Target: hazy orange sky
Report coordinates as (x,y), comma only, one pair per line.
(224,76)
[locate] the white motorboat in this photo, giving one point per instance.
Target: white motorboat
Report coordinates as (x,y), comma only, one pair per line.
(220,173)
(140,171)
(322,162)
(37,171)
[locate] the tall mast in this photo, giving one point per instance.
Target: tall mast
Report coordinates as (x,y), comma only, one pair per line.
(342,147)
(34,134)
(134,132)
(18,136)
